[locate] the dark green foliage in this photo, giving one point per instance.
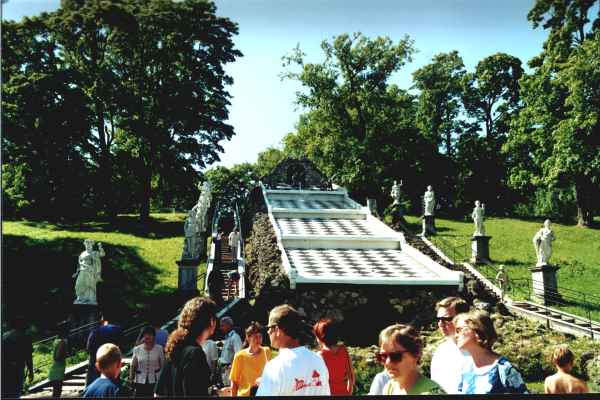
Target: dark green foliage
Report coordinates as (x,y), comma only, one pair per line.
(231,185)
(555,141)
(44,172)
(107,105)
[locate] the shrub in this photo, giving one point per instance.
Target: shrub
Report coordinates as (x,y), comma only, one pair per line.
(365,367)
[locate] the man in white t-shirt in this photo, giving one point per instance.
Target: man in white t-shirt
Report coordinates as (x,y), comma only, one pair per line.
(296,371)
(448,361)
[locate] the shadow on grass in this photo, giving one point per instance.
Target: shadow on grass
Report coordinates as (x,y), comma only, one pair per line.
(37,282)
(157,228)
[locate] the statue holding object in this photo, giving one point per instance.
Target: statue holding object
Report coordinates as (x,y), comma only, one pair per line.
(88,274)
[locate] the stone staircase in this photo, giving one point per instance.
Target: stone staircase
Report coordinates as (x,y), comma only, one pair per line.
(556,319)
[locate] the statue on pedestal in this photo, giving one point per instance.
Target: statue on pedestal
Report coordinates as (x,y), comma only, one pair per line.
(396,192)
(429,201)
(190,228)
(88,273)
(542,241)
(477,215)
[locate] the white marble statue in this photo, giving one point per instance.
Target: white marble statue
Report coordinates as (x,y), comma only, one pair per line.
(477,215)
(396,192)
(190,228)
(203,206)
(88,273)
(502,281)
(542,241)
(429,201)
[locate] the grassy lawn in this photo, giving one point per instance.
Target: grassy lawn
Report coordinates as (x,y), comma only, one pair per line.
(139,271)
(576,250)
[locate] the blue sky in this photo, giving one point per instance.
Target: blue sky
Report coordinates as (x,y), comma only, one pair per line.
(263,109)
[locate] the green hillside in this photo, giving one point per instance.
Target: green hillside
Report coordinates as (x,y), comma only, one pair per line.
(576,250)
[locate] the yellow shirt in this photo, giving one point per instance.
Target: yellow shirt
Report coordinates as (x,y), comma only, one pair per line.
(246,368)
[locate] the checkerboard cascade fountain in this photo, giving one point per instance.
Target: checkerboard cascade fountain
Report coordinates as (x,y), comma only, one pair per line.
(326,237)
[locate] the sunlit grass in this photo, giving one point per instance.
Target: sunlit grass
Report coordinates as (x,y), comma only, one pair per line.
(576,251)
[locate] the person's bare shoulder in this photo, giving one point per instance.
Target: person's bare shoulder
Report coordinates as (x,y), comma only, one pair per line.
(550,384)
(579,386)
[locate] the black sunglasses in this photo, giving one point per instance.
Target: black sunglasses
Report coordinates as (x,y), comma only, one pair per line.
(445,319)
(395,356)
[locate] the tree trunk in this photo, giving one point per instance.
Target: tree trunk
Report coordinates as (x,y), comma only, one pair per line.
(145,195)
(584,203)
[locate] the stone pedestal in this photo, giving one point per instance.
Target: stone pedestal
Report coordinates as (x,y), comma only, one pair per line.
(372,206)
(187,277)
(480,249)
(428,225)
(544,284)
(202,241)
(83,316)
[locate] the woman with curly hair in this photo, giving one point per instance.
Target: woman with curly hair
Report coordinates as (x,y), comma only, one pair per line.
(186,371)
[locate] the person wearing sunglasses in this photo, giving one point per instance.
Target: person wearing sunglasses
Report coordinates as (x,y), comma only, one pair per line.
(296,371)
(400,349)
(488,372)
(448,361)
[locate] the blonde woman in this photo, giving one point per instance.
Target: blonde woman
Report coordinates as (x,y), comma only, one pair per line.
(400,349)
(248,363)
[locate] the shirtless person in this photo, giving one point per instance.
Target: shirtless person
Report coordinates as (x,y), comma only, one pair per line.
(562,381)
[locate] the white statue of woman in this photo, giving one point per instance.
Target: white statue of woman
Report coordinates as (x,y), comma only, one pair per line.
(89,273)
(395,193)
(190,229)
(477,216)
(429,201)
(542,241)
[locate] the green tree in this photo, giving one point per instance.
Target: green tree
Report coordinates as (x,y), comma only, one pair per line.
(44,168)
(358,128)
(491,99)
(84,32)
(171,59)
(267,160)
(231,185)
(440,92)
(554,142)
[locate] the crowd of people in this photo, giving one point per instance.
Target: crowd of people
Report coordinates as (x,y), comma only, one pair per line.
(190,363)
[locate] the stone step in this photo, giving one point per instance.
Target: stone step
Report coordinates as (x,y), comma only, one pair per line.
(74,382)
(316,213)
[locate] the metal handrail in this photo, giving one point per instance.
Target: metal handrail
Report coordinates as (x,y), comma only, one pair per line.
(74,350)
(238,222)
(72,332)
(489,272)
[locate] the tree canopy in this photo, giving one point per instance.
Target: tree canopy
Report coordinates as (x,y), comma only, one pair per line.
(150,85)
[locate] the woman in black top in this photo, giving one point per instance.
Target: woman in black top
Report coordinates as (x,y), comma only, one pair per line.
(186,371)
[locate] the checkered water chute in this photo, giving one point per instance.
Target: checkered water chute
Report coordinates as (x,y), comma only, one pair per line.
(311,204)
(357,263)
(325,227)
(326,237)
